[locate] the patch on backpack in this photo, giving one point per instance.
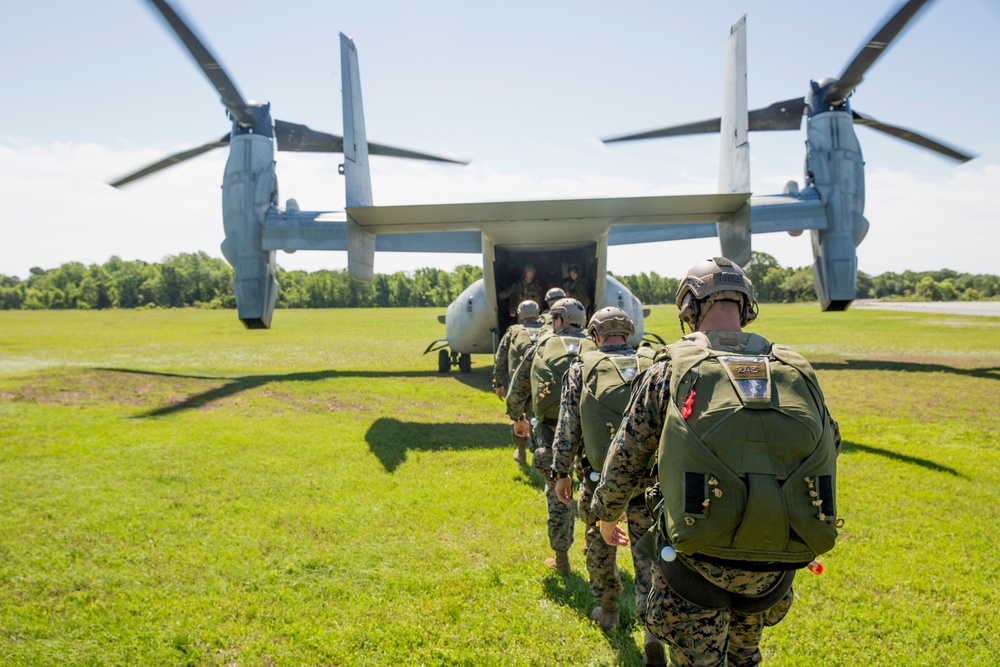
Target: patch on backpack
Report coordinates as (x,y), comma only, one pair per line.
(628,366)
(751,376)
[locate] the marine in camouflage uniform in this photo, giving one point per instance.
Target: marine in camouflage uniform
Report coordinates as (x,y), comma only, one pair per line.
(568,448)
(520,395)
(577,287)
(551,296)
(523,289)
(507,356)
(697,636)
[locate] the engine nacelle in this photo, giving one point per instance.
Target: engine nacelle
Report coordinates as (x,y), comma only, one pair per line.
(834,166)
(249,188)
(470,321)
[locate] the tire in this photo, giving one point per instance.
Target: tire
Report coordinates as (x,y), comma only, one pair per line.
(465,363)
(444,361)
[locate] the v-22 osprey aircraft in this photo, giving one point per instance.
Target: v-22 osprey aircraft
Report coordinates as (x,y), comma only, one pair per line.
(552,235)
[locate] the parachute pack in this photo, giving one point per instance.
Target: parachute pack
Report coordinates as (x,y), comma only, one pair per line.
(523,337)
(607,387)
(747,456)
(553,356)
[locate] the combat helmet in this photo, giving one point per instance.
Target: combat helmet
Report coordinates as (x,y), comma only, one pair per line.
(527,310)
(571,311)
(716,279)
(610,321)
(553,295)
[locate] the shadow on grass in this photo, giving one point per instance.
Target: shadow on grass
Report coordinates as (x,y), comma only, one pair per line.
(905,366)
(573,591)
(390,439)
(236,385)
(848,446)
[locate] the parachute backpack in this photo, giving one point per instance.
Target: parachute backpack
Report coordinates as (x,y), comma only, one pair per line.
(553,356)
(607,387)
(524,336)
(747,456)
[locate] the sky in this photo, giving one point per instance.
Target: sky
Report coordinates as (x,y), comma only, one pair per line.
(523,89)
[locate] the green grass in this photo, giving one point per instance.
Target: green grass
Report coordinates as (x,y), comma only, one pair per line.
(175,490)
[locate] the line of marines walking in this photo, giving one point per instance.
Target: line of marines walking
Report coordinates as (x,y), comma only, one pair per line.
(717,452)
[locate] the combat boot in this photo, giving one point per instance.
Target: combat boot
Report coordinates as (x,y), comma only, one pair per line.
(653,653)
(560,563)
(606,617)
(521,456)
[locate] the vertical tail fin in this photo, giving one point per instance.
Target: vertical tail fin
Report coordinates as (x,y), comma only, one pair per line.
(734,146)
(360,244)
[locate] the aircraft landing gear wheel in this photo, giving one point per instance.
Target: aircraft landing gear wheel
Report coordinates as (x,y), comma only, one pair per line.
(465,363)
(444,361)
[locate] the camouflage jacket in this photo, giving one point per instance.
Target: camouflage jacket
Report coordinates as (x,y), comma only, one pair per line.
(519,391)
(578,289)
(500,368)
(568,443)
(518,292)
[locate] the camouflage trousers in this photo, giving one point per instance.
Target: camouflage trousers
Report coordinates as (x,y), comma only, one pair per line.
(709,637)
(560,516)
(602,563)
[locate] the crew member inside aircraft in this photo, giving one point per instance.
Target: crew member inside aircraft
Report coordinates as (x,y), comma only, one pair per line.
(523,289)
(577,287)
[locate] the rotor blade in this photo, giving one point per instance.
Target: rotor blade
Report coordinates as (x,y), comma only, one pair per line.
(779,116)
(912,137)
(700,127)
(381,149)
(171,161)
(302,139)
(786,115)
(299,138)
(231,97)
(871,51)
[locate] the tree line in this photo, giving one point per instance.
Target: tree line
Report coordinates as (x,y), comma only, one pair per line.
(197,280)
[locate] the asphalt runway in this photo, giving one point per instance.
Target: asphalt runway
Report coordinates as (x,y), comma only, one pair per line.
(986,308)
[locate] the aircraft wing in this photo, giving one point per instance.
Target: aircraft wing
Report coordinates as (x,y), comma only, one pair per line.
(771,213)
(790,212)
(458,227)
(574,213)
(320,230)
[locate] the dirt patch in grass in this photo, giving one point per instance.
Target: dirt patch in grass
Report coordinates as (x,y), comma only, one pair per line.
(163,393)
(89,387)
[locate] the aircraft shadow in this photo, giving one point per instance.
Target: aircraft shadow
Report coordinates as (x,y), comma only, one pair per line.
(848,446)
(238,385)
(573,591)
(909,367)
(390,439)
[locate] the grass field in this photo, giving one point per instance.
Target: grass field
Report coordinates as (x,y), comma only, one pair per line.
(175,490)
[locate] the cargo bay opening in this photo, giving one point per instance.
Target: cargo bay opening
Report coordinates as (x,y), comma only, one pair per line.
(551,270)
